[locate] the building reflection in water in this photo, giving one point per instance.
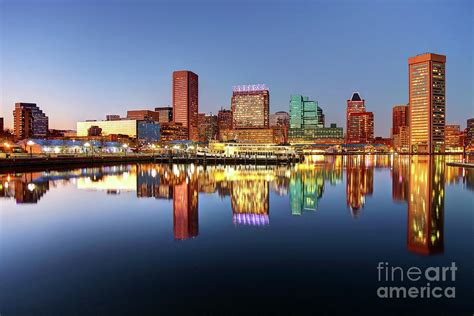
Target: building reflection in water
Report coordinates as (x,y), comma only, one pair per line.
(25,188)
(418,181)
(400,175)
(426,205)
(185,209)
(359,181)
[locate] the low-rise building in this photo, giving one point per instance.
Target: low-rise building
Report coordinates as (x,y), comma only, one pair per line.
(146,131)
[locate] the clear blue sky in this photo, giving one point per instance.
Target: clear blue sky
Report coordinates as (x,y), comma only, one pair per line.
(84,59)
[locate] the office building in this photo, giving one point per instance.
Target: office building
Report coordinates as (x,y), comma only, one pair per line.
(359,123)
(250,107)
(427,102)
(453,136)
(469,133)
(186,101)
(251,135)
(147,131)
(173,131)
(280,122)
(165,114)
(29,121)
(399,118)
(400,129)
(224,122)
(306,124)
(207,127)
(143,115)
(361,128)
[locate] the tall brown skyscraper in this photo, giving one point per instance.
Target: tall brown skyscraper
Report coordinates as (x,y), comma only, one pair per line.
(185,101)
(250,106)
(427,102)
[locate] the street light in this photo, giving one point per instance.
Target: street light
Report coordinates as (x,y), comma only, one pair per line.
(87,145)
(125,146)
(30,143)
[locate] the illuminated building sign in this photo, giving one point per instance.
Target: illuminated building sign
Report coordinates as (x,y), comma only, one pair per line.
(250,88)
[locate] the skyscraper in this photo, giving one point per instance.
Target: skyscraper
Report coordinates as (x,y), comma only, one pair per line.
(399,118)
(400,122)
(250,106)
(469,135)
(224,119)
(427,102)
(185,101)
(29,121)
(359,123)
(306,123)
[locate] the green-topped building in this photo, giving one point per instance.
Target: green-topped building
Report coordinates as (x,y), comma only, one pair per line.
(307,123)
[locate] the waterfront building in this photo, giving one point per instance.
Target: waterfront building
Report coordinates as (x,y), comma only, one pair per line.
(224,122)
(258,136)
(186,101)
(142,115)
(427,103)
(453,137)
(280,122)
(29,121)
(165,114)
(173,131)
(399,118)
(321,117)
(354,105)
(469,134)
(250,107)
(401,141)
(361,128)
(207,127)
(148,131)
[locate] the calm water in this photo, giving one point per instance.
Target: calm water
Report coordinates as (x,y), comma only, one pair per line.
(178,239)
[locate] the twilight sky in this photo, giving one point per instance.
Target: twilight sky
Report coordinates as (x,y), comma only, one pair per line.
(84,59)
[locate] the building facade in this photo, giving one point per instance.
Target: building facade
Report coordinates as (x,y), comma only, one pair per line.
(224,122)
(148,131)
(143,115)
(361,128)
(354,105)
(469,134)
(29,121)
(400,122)
(173,131)
(165,114)
(207,127)
(250,107)
(427,102)
(453,137)
(307,123)
(186,101)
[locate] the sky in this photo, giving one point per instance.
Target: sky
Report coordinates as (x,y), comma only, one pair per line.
(83,60)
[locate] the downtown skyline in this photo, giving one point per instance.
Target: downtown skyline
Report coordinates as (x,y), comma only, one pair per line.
(93,72)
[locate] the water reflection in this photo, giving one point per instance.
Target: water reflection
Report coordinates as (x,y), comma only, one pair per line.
(417,181)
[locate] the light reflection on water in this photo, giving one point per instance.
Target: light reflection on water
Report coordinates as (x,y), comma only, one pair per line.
(418,184)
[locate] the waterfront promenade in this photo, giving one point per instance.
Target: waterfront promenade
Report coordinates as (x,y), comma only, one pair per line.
(19,162)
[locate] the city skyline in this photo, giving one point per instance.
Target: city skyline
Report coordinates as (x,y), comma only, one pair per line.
(91,74)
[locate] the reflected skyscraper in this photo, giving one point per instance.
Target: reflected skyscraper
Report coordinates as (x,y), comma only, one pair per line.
(359,182)
(426,205)
(185,210)
(306,188)
(400,177)
(250,201)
